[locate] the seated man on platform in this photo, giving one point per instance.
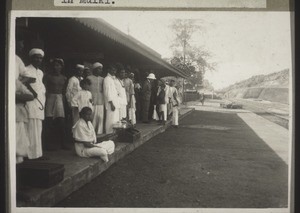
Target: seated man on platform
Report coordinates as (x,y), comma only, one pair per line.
(85,138)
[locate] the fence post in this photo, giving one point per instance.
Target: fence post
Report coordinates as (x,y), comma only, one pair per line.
(183,92)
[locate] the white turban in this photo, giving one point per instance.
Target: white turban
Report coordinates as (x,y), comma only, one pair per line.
(97,64)
(79,66)
(36,51)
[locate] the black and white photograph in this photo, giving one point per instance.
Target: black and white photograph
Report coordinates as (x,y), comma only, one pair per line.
(179,111)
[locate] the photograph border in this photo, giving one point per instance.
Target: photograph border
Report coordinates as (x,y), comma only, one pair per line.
(11,117)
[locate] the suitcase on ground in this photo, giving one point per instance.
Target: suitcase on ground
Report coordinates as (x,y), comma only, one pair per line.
(39,174)
(129,135)
(106,137)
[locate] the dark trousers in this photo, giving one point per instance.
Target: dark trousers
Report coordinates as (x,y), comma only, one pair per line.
(145,110)
(151,109)
(68,124)
(138,111)
(54,133)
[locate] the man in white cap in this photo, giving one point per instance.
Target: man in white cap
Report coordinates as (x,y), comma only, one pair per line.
(96,89)
(146,96)
(72,89)
(111,99)
(35,107)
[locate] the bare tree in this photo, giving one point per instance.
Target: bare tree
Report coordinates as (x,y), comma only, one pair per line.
(184,30)
(190,58)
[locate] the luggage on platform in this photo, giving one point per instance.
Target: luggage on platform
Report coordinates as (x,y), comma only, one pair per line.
(129,135)
(39,174)
(106,137)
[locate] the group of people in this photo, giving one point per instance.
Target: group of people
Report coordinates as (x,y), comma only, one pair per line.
(166,101)
(90,102)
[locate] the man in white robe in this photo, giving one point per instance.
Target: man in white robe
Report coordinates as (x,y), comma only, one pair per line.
(72,89)
(175,103)
(36,107)
(122,94)
(22,95)
(130,95)
(111,99)
(96,88)
(168,99)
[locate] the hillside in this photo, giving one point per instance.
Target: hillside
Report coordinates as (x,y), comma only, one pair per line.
(271,87)
(276,79)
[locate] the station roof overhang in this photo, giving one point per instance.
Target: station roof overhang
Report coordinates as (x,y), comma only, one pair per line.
(112,33)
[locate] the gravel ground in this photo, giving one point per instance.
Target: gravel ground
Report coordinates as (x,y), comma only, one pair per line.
(214,160)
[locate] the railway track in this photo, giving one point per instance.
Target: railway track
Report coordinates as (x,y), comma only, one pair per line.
(281,117)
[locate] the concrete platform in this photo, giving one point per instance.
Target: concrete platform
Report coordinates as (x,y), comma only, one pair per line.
(79,171)
(277,137)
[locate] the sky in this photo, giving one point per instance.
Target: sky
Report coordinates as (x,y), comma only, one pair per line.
(242,44)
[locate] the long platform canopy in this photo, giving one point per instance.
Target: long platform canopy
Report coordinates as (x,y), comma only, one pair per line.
(104,28)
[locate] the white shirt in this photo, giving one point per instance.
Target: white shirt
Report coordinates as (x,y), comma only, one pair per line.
(20,67)
(73,88)
(167,93)
(82,99)
(110,91)
(21,112)
(173,91)
(121,91)
(84,131)
(34,107)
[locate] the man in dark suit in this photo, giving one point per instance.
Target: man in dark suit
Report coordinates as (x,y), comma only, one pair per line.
(146,96)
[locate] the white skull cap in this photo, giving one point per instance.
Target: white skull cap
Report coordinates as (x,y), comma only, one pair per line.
(79,66)
(97,64)
(36,51)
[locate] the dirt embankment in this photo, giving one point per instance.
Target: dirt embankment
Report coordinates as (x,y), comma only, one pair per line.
(273,87)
